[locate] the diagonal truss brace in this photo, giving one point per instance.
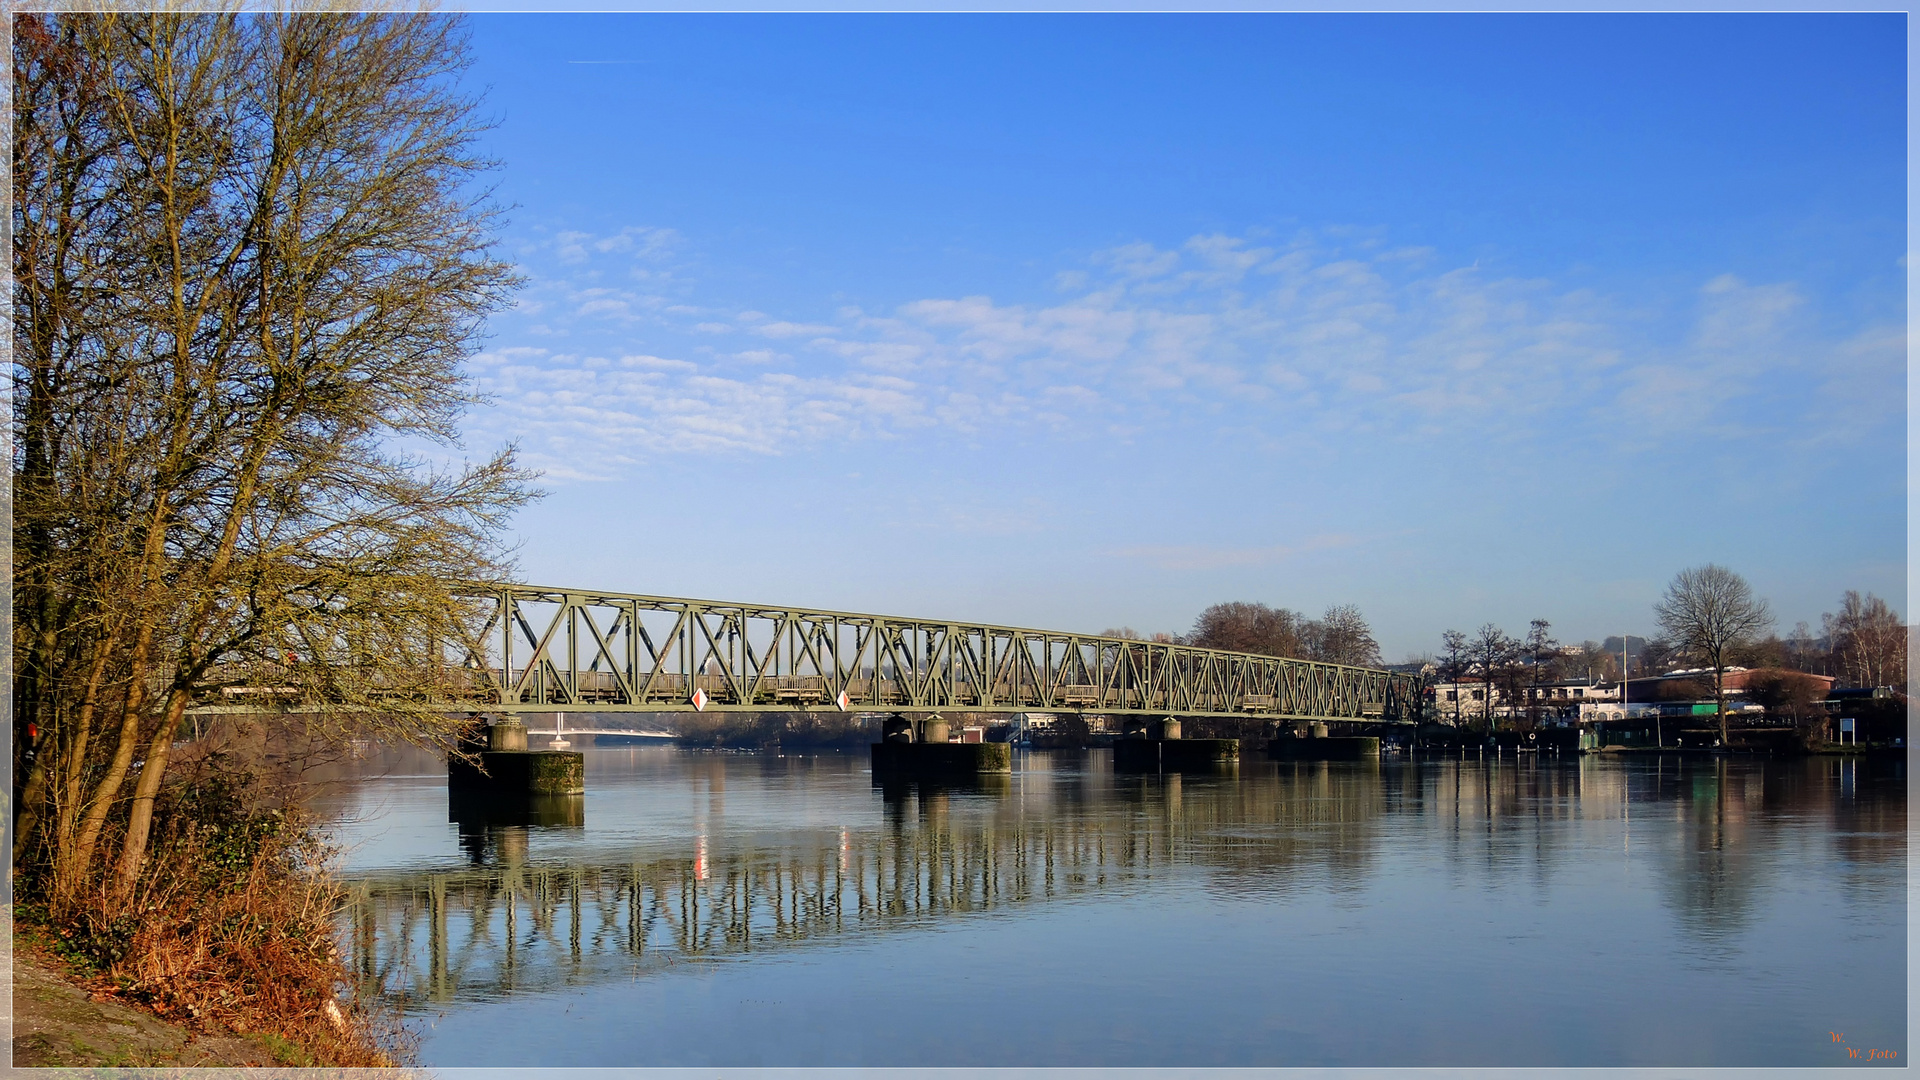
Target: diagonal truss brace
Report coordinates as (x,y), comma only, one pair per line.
(545,651)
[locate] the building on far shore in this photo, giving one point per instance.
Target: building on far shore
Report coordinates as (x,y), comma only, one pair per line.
(1555,700)
(1588,700)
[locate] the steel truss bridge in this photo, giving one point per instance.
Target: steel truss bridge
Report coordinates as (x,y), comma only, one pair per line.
(546,650)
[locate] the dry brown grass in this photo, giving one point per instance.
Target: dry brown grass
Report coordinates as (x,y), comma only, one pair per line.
(230,929)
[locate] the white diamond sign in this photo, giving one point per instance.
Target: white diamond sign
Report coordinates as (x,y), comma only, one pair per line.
(842,701)
(699,701)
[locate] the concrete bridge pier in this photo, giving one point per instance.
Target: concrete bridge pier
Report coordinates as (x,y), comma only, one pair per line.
(1159,747)
(1310,741)
(506,768)
(900,754)
(506,735)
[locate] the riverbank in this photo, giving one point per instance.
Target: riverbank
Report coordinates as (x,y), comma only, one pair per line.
(59,1021)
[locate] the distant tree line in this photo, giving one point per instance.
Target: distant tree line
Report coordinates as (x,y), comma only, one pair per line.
(1864,644)
(1341,636)
(1709,619)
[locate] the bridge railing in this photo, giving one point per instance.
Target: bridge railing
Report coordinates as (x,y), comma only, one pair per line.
(546,650)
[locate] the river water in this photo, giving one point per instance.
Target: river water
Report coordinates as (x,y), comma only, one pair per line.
(713,909)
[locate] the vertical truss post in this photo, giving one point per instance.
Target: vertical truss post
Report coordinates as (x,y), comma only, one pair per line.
(903,663)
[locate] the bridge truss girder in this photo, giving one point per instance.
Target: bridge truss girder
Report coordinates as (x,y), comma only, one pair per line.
(566,650)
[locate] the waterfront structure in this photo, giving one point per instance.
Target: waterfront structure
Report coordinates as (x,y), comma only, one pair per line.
(1559,700)
(1676,692)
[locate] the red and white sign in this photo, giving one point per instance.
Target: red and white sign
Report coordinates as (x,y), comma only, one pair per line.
(699,701)
(842,701)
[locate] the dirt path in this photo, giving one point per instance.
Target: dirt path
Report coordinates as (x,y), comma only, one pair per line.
(57,1024)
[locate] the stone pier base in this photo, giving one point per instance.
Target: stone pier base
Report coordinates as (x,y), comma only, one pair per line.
(932,758)
(522,772)
(1174,755)
(1357,748)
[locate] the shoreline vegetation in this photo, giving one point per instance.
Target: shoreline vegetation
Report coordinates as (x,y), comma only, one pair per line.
(228,937)
(60,1022)
(65,1018)
(252,253)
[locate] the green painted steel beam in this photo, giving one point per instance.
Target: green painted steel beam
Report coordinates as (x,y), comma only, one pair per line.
(534,649)
(733,657)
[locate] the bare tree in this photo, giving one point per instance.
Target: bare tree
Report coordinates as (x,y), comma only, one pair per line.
(1804,652)
(250,261)
(1495,655)
(1542,654)
(1766,651)
(1341,636)
(1595,661)
(1869,641)
(1794,697)
(1658,654)
(1708,610)
(1128,633)
(1240,626)
(1453,665)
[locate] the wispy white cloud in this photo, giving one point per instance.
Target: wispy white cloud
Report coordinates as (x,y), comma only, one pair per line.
(638,242)
(793,330)
(1328,335)
(1735,315)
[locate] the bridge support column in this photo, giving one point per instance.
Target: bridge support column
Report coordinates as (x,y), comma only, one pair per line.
(1165,751)
(507,768)
(1323,748)
(506,735)
(898,756)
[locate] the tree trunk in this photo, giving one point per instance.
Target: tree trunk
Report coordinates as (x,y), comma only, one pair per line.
(133,851)
(32,794)
(76,750)
(79,860)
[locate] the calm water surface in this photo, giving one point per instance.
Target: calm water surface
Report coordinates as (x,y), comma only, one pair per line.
(703,909)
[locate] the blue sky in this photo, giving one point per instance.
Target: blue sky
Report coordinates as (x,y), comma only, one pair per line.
(1088,321)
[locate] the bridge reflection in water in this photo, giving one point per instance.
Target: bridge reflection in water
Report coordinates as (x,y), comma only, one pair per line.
(508,921)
